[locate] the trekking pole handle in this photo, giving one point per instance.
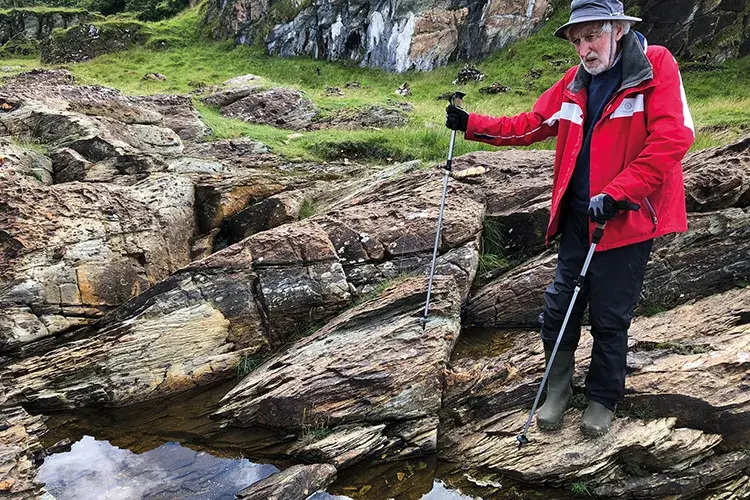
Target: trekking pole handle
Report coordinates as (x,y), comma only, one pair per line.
(457,98)
(627,205)
(596,237)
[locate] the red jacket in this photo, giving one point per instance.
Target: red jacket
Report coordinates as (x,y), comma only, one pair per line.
(636,148)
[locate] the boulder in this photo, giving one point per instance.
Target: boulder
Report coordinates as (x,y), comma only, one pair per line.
(719,177)
(74,251)
(32,25)
(372,375)
(486,402)
(711,256)
(298,481)
(88,40)
(278,107)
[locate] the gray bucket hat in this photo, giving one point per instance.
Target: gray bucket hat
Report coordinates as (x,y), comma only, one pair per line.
(583,11)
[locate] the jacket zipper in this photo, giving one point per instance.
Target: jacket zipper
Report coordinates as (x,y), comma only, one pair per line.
(652,212)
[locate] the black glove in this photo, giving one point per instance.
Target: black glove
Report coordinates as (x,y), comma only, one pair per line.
(456,118)
(602,208)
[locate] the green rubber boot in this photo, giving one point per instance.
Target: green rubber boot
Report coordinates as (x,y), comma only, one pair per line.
(559,392)
(596,420)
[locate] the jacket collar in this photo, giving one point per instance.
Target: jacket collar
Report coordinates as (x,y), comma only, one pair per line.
(636,68)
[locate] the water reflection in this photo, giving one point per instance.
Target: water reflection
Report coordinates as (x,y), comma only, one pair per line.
(439,492)
(95,469)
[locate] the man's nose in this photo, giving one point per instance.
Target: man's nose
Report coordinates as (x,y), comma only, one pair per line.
(583,50)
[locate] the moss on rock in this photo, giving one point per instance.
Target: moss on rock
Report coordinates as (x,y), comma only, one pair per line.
(89,40)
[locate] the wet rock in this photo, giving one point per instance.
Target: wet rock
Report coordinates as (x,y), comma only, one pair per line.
(25,161)
(718,178)
(73,251)
(87,41)
(298,481)
(372,365)
(20,450)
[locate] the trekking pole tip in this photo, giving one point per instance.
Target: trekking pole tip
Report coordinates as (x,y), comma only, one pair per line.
(522,440)
(423,321)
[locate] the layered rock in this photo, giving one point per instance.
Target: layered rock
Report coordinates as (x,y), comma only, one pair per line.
(397,37)
(710,32)
(278,107)
(33,25)
(88,40)
(25,161)
(74,251)
(20,450)
(373,375)
(486,403)
(298,481)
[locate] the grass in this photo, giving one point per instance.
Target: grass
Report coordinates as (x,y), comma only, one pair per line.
(383,285)
(308,209)
(492,258)
(582,488)
(644,411)
(180,50)
(248,364)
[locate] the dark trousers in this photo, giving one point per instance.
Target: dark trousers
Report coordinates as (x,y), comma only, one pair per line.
(611,290)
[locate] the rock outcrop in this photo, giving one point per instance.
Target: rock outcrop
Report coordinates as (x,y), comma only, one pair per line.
(373,376)
(700,362)
(88,40)
(36,25)
(20,451)
(74,251)
(397,37)
(707,32)
(298,481)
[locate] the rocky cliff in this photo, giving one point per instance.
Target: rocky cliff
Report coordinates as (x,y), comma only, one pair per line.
(394,35)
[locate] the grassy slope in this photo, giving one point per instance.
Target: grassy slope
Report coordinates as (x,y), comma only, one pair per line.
(718,98)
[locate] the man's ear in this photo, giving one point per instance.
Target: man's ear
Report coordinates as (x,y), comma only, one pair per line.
(619,31)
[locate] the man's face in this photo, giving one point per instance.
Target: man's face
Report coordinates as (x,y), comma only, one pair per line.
(594,46)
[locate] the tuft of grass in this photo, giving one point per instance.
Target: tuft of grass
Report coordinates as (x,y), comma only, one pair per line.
(643,411)
(582,488)
(308,209)
(248,364)
(383,285)
(579,401)
(312,434)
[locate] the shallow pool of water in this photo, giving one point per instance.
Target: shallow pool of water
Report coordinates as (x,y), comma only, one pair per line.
(171,449)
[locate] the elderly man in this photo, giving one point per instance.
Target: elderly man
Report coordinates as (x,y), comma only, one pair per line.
(622,126)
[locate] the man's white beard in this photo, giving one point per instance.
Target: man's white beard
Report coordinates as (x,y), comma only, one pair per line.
(595,67)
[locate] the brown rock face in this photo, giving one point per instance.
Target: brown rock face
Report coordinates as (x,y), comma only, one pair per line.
(718,178)
(19,451)
(372,370)
(73,251)
(279,107)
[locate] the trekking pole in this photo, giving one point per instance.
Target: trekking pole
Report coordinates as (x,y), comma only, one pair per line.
(455,99)
(595,239)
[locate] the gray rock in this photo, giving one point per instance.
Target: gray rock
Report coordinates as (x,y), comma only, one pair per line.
(298,481)
(279,107)
(394,37)
(86,41)
(26,161)
(20,451)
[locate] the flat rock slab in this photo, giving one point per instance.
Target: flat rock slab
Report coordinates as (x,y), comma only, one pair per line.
(298,481)
(279,107)
(373,366)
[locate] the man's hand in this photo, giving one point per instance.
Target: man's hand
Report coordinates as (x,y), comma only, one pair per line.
(602,208)
(456,118)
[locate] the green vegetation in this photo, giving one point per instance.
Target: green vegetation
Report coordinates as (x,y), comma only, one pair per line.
(145,10)
(643,411)
(248,364)
(308,209)
(178,48)
(582,488)
(492,258)
(384,285)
